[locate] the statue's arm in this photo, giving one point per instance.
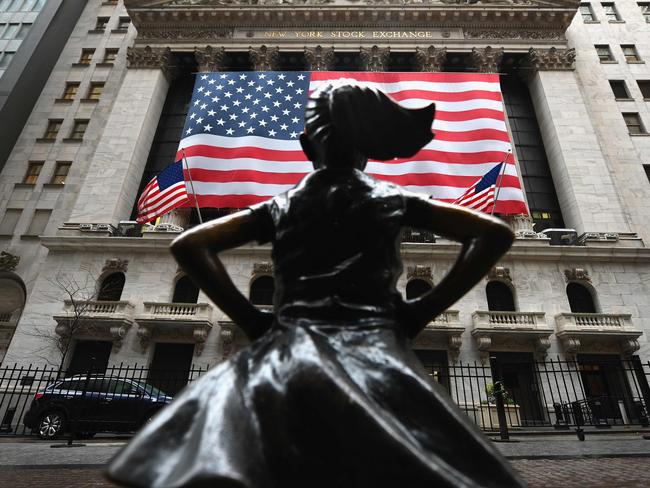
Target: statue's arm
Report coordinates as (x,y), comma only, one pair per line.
(484,240)
(196,251)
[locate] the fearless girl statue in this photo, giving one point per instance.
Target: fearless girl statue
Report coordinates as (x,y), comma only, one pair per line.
(328,394)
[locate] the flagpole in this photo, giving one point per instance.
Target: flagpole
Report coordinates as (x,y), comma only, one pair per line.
(499,180)
(189,174)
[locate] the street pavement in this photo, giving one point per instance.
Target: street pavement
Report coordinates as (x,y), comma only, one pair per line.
(602,461)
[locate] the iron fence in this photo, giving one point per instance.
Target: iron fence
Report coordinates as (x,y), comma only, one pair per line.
(497,396)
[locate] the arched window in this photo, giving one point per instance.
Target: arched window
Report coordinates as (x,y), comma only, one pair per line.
(185,291)
(580,298)
(111,289)
(262,290)
(416,288)
(499,297)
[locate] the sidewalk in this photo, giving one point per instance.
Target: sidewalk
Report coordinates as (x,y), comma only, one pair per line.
(545,462)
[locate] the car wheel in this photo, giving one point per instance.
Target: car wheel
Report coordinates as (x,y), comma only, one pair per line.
(51,425)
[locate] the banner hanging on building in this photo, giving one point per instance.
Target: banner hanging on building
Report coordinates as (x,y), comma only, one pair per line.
(241,135)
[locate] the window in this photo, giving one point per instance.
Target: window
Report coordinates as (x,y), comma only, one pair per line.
(619,89)
(38,223)
(604,53)
(634,124)
(646,168)
(60,173)
(185,291)
(33,170)
(22,32)
(10,31)
(52,130)
(262,290)
(123,23)
(416,288)
(101,23)
(5,59)
(70,91)
(644,86)
(499,297)
(645,10)
(580,299)
(630,53)
(610,12)
(587,12)
(9,221)
(78,129)
(111,288)
(86,56)
(109,55)
(95,90)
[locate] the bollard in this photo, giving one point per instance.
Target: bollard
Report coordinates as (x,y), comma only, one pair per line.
(501,411)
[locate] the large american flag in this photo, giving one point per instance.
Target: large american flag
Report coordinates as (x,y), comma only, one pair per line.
(241,134)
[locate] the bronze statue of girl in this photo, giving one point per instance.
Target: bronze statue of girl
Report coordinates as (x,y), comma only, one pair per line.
(328,394)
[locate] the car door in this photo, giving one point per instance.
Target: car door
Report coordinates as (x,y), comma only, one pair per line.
(120,404)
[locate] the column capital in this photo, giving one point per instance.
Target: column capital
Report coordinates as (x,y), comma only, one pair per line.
(551,59)
(265,58)
(319,58)
(374,58)
(209,58)
(431,58)
(148,57)
(487,60)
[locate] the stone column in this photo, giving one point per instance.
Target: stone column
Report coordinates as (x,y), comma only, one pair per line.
(111,184)
(581,174)
(319,58)
(375,58)
(486,60)
(209,58)
(431,59)
(265,58)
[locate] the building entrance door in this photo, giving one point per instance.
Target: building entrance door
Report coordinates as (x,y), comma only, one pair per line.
(607,391)
(436,365)
(517,372)
(90,354)
(170,366)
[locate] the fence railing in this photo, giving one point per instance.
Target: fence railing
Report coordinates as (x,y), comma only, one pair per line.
(495,395)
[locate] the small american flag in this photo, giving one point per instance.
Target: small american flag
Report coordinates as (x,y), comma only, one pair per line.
(241,134)
(164,192)
(480,196)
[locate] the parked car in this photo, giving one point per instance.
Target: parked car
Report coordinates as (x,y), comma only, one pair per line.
(93,404)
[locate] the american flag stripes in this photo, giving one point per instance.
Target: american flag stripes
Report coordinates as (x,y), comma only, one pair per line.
(241,134)
(480,196)
(163,193)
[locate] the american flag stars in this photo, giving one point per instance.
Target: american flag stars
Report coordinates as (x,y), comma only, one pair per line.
(267,104)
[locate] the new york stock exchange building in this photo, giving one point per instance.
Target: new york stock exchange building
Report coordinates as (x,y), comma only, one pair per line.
(562,320)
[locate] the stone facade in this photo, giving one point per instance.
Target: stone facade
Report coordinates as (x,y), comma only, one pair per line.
(596,167)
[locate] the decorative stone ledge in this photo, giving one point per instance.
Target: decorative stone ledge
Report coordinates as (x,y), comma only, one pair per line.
(606,239)
(148,57)
(492,328)
(445,329)
(419,271)
(95,319)
(186,321)
(551,59)
(575,330)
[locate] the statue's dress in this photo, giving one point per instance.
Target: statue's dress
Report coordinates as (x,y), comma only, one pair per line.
(332,396)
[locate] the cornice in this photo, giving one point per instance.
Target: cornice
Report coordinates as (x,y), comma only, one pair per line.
(522,250)
(169,20)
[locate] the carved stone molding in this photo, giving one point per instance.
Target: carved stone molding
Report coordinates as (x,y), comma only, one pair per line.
(374,58)
(199,334)
(8,261)
(551,59)
(116,264)
(542,345)
(262,268)
(319,58)
(227,336)
(265,58)
(209,58)
(454,341)
(576,274)
(630,346)
(499,273)
(484,343)
(150,58)
(487,60)
(571,346)
(431,58)
(419,272)
(529,34)
(118,333)
(144,334)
